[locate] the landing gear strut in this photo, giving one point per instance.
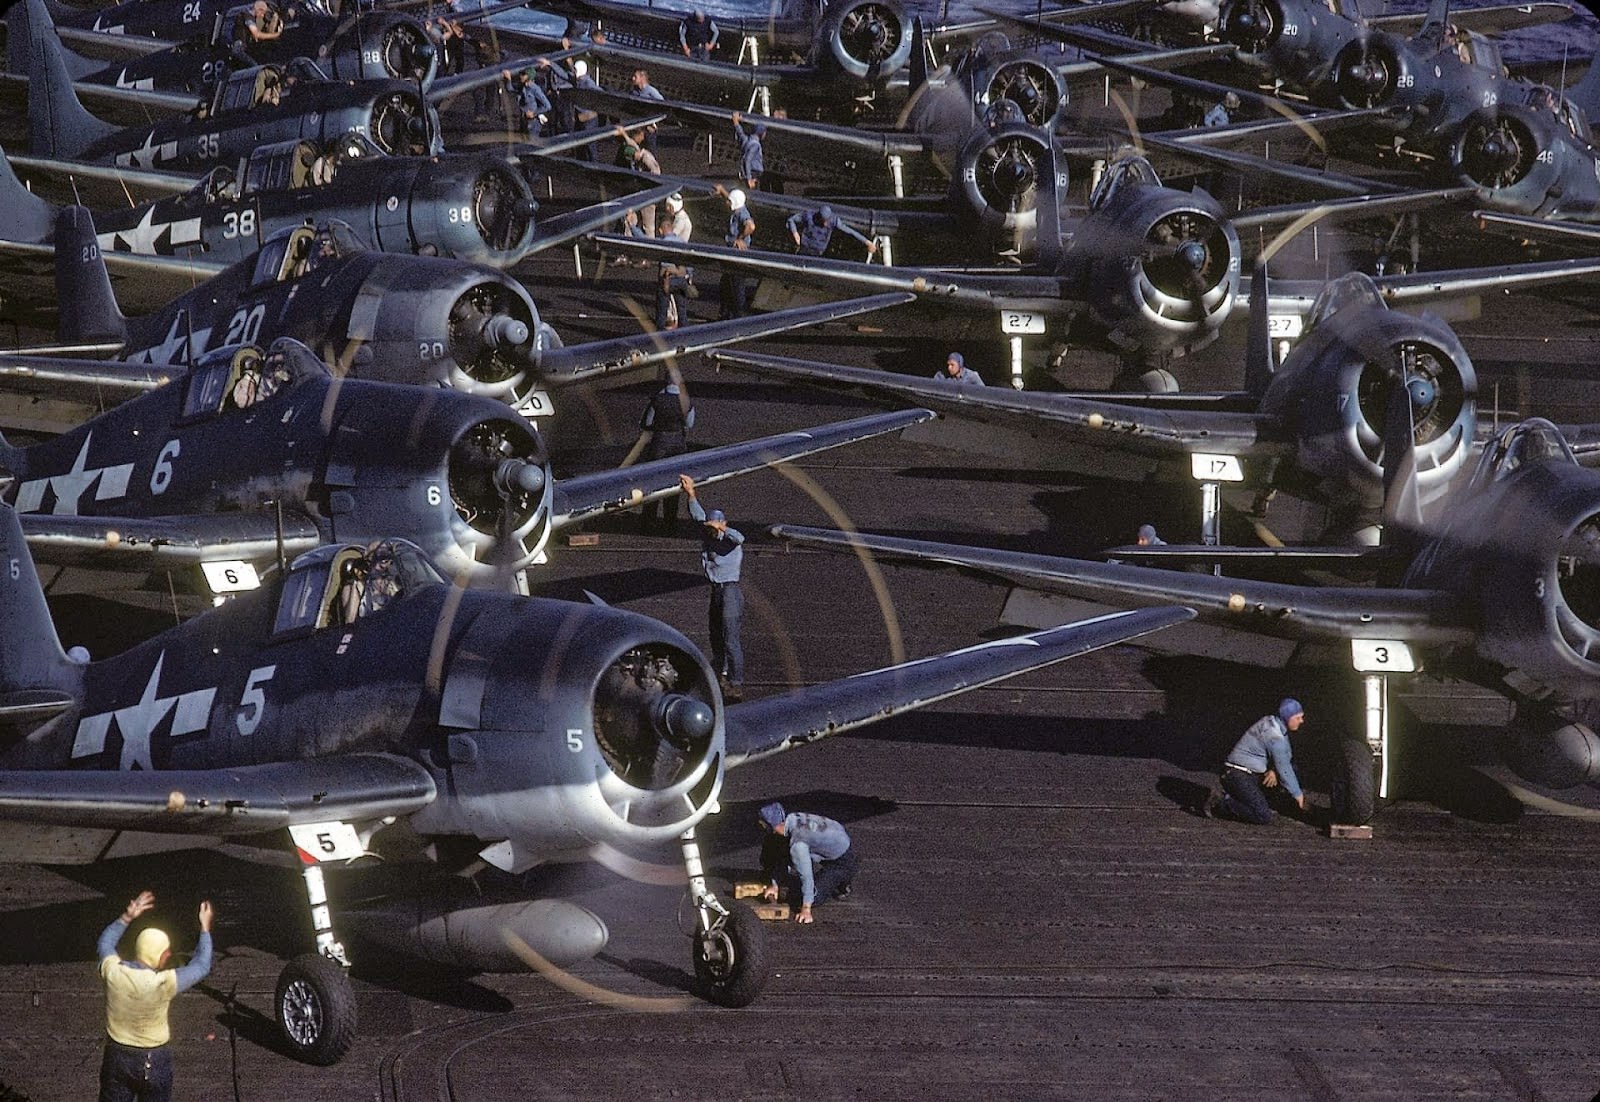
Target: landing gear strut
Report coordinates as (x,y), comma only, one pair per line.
(314,1001)
(730,947)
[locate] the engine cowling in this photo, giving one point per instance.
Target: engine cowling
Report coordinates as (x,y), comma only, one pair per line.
(403,50)
(1509,154)
(868,39)
(472,330)
(999,178)
(1037,89)
(584,727)
(1175,287)
(1523,546)
(1334,391)
(1369,71)
(476,209)
(402,125)
(1252,25)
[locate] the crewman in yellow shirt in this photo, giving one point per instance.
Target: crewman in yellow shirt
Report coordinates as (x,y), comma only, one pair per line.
(138,1063)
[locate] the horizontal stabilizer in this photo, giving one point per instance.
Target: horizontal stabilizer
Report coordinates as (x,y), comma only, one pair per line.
(763,727)
(248,800)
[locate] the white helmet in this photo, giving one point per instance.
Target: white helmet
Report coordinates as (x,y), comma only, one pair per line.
(580,68)
(735,199)
(674,202)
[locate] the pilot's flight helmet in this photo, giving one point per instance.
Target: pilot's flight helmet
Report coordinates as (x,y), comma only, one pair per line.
(735,199)
(580,68)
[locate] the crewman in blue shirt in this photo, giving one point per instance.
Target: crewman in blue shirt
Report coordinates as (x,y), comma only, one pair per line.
(741,229)
(697,35)
(752,157)
(721,557)
(819,852)
(812,230)
(956,371)
(1260,759)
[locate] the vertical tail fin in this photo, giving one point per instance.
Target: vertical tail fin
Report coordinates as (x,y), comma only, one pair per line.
(23,215)
(88,311)
(1258,342)
(58,124)
(30,650)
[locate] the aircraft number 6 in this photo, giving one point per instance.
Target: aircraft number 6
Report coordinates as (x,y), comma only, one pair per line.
(434,495)
(161,477)
(255,700)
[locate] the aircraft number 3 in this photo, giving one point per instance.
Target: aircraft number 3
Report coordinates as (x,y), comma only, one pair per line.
(253,700)
(239,223)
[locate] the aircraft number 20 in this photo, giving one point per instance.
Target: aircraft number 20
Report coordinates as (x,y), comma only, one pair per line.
(245,325)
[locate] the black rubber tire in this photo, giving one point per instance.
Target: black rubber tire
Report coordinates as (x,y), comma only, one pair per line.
(1154,380)
(731,961)
(1354,799)
(316,1009)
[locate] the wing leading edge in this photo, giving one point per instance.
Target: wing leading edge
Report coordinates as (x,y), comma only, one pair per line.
(767,726)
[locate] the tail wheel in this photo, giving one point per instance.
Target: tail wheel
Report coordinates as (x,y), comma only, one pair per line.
(316,1008)
(730,960)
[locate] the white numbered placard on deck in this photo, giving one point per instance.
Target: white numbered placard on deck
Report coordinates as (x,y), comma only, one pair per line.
(234,576)
(1216,468)
(536,403)
(327,841)
(1382,656)
(1285,325)
(1021,321)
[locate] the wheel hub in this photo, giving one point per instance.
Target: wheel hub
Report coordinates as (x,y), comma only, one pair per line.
(302,1013)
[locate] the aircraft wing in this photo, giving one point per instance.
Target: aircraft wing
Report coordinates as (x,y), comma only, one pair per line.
(578,499)
(968,288)
(762,727)
(134,543)
(1490,20)
(1418,287)
(1106,425)
(1279,609)
(577,363)
(212,802)
(719,121)
(141,184)
(101,382)
(102,44)
(562,228)
(1524,227)
(1348,207)
(121,100)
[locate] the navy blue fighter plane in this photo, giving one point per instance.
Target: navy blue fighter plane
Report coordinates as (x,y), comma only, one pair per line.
(251,451)
(356,704)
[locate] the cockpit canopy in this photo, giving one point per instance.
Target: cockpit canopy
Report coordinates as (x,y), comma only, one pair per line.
(1353,289)
(249,88)
(290,254)
(1532,441)
(1129,170)
(241,376)
(335,586)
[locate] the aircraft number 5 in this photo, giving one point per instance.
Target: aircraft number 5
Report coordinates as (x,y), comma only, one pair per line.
(16,569)
(254,699)
(161,477)
(575,739)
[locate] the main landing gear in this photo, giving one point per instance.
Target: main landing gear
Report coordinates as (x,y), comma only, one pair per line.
(730,947)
